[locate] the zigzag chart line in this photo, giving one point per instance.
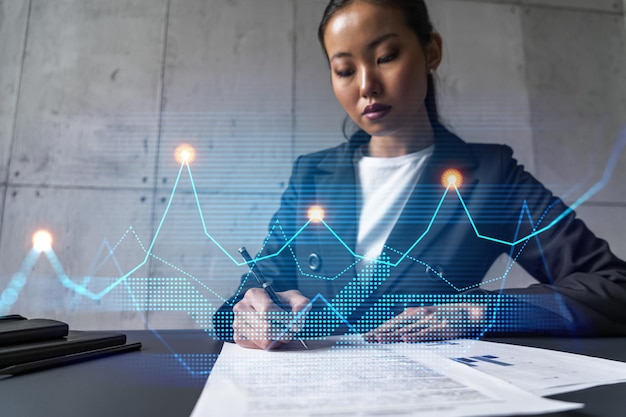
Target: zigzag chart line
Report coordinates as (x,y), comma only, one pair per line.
(19,278)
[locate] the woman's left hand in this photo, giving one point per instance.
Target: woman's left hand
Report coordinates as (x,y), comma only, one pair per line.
(422,324)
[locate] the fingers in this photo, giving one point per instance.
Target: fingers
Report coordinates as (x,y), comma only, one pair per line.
(440,325)
(439,331)
(299,304)
(391,330)
(261,324)
(294,299)
(254,330)
(421,324)
(252,326)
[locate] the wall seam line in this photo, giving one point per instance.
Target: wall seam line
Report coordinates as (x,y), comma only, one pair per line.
(17,103)
(155,188)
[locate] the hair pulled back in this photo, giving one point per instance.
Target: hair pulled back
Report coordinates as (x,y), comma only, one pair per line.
(417,19)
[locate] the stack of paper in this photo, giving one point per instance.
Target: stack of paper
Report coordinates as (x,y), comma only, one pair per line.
(540,371)
(346,376)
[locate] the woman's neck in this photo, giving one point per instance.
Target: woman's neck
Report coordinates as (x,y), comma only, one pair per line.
(392,146)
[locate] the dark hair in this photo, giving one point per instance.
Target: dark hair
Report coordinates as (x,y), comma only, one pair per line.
(417,19)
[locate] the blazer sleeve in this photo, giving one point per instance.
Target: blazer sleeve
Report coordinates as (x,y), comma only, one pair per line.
(277,265)
(582,284)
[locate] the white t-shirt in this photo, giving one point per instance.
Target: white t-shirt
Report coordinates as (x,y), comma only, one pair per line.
(386,185)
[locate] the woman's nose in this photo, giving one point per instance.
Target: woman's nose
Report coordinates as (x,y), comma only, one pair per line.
(370,83)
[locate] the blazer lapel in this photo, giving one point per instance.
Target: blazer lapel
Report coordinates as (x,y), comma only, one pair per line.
(336,192)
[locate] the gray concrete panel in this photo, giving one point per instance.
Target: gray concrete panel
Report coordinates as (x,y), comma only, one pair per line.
(89,65)
(13,18)
(85,224)
(604,6)
(608,6)
(235,152)
(319,116)
(228,83)
(481,82)
(576,76)
(229,56)
(607,222)
(196,273)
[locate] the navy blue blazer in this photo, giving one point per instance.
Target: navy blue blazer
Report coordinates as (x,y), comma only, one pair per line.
(434,253)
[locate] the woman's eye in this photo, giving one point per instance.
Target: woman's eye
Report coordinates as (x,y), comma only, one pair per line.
(386,58)
(345,73)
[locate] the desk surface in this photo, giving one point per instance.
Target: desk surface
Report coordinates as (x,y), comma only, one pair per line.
(167,376)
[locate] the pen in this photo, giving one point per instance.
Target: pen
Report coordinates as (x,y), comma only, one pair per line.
(266,285)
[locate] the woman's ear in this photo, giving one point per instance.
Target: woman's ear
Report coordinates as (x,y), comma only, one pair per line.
(434,52)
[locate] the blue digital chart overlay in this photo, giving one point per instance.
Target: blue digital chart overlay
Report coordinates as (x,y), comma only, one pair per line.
(184,293)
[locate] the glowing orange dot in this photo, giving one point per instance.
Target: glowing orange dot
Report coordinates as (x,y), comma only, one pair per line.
(42,241)
(452,178)
(185,153)
(316,213)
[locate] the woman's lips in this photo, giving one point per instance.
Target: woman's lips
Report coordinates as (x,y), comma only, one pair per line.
(376,111)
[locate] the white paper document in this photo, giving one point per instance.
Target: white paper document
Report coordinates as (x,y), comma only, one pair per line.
(541,371)
(342,378)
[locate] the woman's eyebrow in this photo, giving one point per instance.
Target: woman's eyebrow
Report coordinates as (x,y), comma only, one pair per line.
(373,44)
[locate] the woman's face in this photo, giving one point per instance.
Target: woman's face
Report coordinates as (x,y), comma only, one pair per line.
(379,69)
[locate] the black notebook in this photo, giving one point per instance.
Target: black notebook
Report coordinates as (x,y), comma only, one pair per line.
(17,329)
(74,342)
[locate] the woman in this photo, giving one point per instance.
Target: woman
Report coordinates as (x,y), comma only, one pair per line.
(396,255)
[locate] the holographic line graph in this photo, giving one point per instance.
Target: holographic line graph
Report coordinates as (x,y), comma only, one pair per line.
(606,176)
(19,278)
(56,264)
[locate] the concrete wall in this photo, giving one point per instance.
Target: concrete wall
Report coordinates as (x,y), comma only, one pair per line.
(96,95)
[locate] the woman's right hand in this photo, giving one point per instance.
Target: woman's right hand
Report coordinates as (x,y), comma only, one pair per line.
(261,324)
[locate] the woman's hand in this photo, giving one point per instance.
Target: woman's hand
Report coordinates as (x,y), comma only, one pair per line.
(261,324)
(422,324)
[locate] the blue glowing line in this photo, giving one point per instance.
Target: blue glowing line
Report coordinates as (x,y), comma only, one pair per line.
(606,176)
(65,280)
(405,254)
(608,172)
(206,232)
(300,315)
(9,296)
(93,269)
